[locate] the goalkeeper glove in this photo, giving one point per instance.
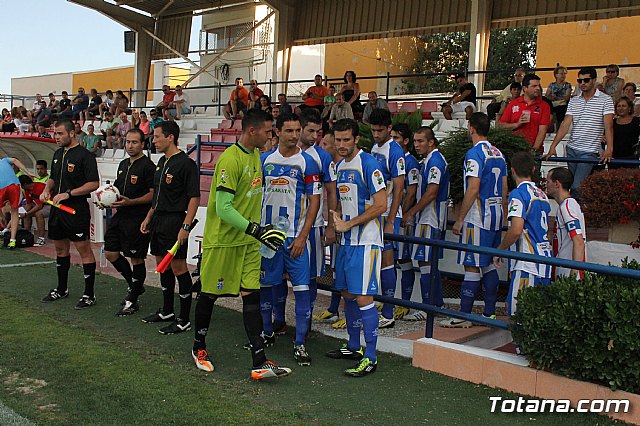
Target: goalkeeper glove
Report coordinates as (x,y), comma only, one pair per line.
(267,235)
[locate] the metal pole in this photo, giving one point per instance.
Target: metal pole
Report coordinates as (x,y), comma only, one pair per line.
(433,282)
(388,85)
(219,97)
(198,141)
(130,96)
(270,91)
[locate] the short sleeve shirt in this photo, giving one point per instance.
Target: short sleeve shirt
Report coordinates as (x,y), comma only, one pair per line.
(242,95)
(134,180)
(237,172)
(392,164)
(175,183)
(95,101)
(64,104)
(83,101)
(33,196)
(540,114)
(71,169)
(321,91)
(472,96)
(7,175)
(588,121)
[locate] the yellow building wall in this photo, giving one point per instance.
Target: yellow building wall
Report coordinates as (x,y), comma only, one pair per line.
(114,79)
(178,76)
(602,42)
(372,57)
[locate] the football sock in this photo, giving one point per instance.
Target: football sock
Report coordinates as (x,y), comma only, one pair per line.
(168,284)
(303,312)
(122,265)
(334,305)
(490,282)
(266,308)
(62,266)
(137,281)
(354,323)
(313,294)
(253,327)
(388,278)
(280,293)
(425,282)
(89,270)
(407,280)
(184,288)
(470,287)
(370,329)
(203,311)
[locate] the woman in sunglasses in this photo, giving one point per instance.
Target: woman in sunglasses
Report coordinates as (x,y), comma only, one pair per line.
(611,83)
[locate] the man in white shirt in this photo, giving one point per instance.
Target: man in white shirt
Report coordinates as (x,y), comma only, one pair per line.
(179,106)
(569,232)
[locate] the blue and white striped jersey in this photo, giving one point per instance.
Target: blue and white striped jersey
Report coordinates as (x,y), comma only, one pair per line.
(358,180)
(288,181)
(327,174)
(390,157)
(413,170)
(486,162)
(434,170)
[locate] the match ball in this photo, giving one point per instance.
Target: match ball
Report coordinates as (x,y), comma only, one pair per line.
(106,195)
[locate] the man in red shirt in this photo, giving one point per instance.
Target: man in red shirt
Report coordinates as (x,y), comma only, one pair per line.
(254,94)
(529,115)
(33,206)
(167,99)
(314,96)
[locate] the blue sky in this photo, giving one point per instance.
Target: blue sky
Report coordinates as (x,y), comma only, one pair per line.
(72,38)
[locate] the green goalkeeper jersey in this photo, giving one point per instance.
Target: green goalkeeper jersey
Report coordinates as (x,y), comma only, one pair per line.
(237,172)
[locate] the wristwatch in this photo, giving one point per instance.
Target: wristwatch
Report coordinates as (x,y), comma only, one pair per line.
(68,191)
(186,227)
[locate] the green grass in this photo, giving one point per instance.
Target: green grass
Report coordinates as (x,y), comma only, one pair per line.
(61,366)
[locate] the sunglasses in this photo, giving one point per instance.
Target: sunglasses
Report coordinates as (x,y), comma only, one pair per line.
(584,80)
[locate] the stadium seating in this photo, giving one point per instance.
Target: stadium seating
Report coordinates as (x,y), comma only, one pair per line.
(409,107)
(428,107)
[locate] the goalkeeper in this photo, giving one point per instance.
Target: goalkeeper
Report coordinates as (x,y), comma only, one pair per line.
(232,237)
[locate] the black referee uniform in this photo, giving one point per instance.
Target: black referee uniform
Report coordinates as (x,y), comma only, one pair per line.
(134,180)
(176,181)
(71,169)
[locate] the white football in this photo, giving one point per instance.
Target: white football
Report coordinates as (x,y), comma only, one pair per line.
(106,195)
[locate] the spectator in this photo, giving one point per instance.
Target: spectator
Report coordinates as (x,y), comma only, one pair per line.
(254,93)
(153,123)
(559,93)
(145,127)
(19,121)
(108,128)
(37,104)
(612,84)
(569,231)
(340,110)
(629,91)
(107,103)
(64,106)
(591,114)
(351,91)
(121,131)
(80,134)
(7,121)
(53,103)
(80,104)
(626,132)
(329,101)
(516,91)
(463,101)
(44,115)
(94,106)
(179,106)
(238,101)
(374,103)
(42,132)
(135,119)
(167,100)
(120,104)
(264,103)
(314,96)
(496,103)
(91,142)
(528,115)
(41,171)
(283,104)
(275,112)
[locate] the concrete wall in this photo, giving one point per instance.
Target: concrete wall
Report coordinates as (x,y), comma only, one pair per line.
(42,84)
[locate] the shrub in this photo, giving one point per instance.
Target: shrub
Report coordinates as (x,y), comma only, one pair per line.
(586,330)
(611,196)
(456,144)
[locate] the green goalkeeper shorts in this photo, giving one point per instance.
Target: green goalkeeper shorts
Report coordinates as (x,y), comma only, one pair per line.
(226,271)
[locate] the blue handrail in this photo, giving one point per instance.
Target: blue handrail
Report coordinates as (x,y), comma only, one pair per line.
(590,161)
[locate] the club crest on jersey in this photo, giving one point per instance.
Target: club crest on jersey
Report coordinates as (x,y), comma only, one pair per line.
(168,179)
(433,174)
(515,108)
(220,284)
(378,176)
(469,167)
(134,179)
(269,168)
(401,163)
(414,175)
(293,173)
(351,177)
(512,207)
(70,167)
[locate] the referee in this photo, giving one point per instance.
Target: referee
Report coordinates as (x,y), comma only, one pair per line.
(74,175)
(134,180)
(176,196)
(230,257)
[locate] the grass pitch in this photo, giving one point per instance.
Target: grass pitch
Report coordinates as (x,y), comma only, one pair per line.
(62,366)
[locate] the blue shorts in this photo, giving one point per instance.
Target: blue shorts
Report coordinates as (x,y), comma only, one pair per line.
(358,269)
(422,253)
(472,235)
(316,255)
(405,249)
(272,270)
(519,280)
(391,245)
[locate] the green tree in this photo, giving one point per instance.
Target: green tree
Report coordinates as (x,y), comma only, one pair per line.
(449,53)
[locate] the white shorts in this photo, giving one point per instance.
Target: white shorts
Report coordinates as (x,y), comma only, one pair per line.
(462,106)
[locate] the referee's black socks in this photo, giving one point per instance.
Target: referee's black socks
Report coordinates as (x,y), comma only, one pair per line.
(184,288)
(62,266)
(89,278)
(139,274)
(168,284)
(122,265)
